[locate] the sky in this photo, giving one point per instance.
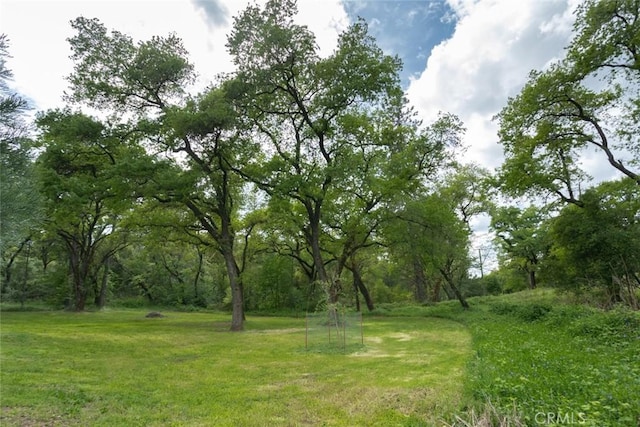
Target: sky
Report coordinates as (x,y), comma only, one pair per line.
(465,57)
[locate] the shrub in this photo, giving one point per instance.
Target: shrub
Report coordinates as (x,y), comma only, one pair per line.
(612,326)
(533,312)
(530,312)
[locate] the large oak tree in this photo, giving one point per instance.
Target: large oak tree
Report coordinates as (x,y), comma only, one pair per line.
(589,101)
(335,131)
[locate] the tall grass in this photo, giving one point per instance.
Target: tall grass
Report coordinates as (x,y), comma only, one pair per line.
(549,363)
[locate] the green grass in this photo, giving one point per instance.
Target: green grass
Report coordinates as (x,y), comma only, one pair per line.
(529,358)
(119,368)
(571,362)
(544,361)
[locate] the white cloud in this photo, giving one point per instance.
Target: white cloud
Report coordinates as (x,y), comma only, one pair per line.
(326,19)
(495,45)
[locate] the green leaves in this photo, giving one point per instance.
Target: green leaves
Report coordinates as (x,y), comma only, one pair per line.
(597,245)
(564,111)
(111,72)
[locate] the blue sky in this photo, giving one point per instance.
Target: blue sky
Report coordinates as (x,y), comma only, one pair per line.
(409,29)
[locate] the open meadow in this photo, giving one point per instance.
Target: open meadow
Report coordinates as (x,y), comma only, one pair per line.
(521,359)
(118,368)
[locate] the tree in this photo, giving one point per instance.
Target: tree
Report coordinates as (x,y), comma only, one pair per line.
(468,190)
(86,175)
(20,203)
(598,246)
(314,117)
(521,237)
(12,105)
(295,100)
(564,111)
(434,244)
(149,80)
(205,131)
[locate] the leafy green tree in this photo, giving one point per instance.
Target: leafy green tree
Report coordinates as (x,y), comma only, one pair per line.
(597,247)
(468,188)
(563,112)
(522,238)
(205,131)
(12,105)
(86,176)
(148,80)
(20,202)
(325,124)
(432,242)
(296,100)
(168,258)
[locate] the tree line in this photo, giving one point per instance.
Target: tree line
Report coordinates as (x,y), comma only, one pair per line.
(300,181)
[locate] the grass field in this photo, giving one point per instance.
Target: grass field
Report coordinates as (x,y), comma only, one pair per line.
(521,359)
(118,368)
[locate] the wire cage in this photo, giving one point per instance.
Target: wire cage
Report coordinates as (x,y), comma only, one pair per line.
(333,331)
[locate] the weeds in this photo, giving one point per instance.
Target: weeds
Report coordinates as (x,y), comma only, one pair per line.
(557,362)
(489,416)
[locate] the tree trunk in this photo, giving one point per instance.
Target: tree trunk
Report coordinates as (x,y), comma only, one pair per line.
(23,294)
(12,258)
(224,236)
(235,282)
(356,295)
(323,277)
(532,279)
(78,278)
(419,281)
(437,286)
(101,298)
(448,292)
(455,290)
(357,280)
(197,278)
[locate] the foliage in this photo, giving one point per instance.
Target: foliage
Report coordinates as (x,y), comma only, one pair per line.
(340,142)
(536,355)
(598,245)
(432,242)
(12,104)
(149,81)
(564,111)
(112,72)
(87,175)
(570,371)
(522,238)
(20,202)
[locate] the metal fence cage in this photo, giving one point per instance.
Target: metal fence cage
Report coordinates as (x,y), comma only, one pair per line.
(333,330)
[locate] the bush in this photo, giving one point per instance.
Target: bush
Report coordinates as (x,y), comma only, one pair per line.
(612,326)
(533,312)
(527,312)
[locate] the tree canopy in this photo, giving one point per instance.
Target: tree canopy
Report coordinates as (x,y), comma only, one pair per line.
(588,101)
(306,181)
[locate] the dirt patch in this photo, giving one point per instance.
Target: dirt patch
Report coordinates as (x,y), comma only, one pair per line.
(370,353)
(23,418)
(277,331)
